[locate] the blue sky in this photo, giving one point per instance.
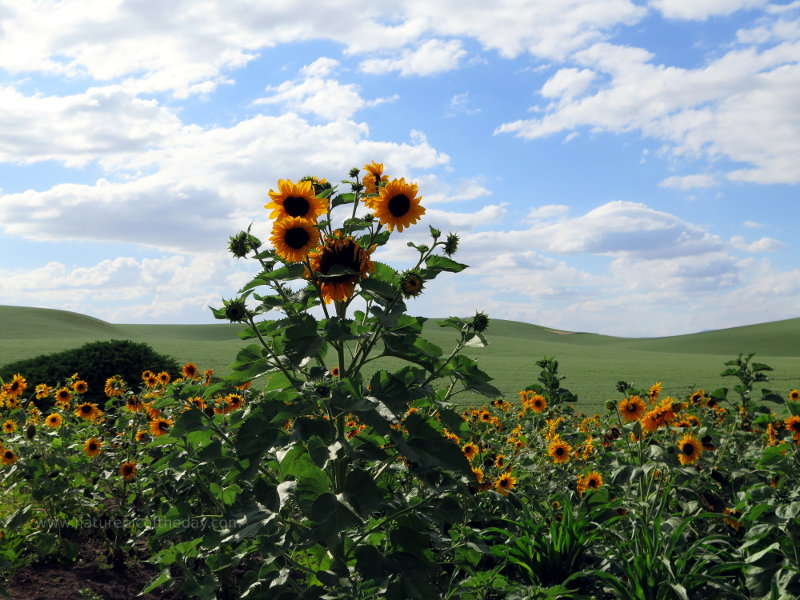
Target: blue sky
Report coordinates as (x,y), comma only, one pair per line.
(614,166)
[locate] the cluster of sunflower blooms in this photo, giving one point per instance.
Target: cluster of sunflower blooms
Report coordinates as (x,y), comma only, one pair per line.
(78,418)
(336,262)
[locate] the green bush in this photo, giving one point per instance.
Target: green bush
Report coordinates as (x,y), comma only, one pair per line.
(94,362)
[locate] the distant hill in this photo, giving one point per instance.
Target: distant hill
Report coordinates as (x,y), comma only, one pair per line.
(591,363)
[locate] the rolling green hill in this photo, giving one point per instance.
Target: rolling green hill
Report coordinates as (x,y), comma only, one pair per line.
(591,363)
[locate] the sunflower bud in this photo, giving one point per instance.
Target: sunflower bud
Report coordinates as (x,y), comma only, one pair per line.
(357,187)
(480,322)
(354,172)
(451,244)
(235,310)
(411,284)
(30,432)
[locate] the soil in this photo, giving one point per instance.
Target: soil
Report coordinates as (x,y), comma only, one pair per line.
(80,582)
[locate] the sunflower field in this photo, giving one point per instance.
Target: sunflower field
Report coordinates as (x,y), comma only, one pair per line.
(299,476)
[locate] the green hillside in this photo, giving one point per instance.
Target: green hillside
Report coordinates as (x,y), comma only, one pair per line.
(591,363)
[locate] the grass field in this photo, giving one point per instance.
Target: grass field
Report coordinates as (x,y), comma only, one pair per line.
(591,363)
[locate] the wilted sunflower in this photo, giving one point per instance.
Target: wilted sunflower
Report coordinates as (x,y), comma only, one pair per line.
(189,370)
(689,449)
(80,387)
(505,483)
(341,263)
(128,470)
(397,206)
(53,420)
(296,200)
(159,427)
(92,446)
(631,408)
(470,450)
(16,386)
(88,411)
(8,457)
(559,450)
(294,238)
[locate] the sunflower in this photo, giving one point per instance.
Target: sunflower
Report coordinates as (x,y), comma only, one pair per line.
(115,386)
(397,206)
(559,450)
(505,483)
(470,450)
(631,408)
(196,402)
(128,470)
(150,379)
(697,396)
(500,461)
(293,238)
(159,427)
(9,427)
(478,472)
(230,403)
(689,449)
(16,386)
(485,416)
(655,391)
(189,370)
(538,403)
(164,378)
(794,395)
(43,391)
(54,420)
(80,387)
(8,457)
(589,482)
(793,425)
(88,411)
(337,266)
(133,404)
(141,435)
(92,446)
(372,180)
(296,200)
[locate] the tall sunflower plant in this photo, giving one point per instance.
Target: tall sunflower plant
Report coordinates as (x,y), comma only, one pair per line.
(339,475)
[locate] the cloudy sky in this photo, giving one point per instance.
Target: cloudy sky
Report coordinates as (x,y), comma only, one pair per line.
(628,167)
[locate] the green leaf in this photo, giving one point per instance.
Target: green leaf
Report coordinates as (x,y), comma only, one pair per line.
(189,421)
(442,263)
(466,369)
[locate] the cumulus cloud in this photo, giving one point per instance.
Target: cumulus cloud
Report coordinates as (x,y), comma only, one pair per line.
(765,244)
(702,9)
(429,58)
(739,106)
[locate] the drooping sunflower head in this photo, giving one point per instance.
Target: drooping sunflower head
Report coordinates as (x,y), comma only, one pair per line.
(296,200)
(338,265)
(43,391)
(128,470)
(92,447)
(689,449)
(372,180)
(398,206)
(294,238)
(53,420)
(631,408)
(115,386)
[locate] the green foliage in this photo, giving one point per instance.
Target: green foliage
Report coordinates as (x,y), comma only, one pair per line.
(95,362)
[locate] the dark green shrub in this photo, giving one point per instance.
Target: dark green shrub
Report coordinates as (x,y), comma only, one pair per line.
(94,362)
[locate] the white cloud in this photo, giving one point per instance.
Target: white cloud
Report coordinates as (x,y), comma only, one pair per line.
(689,182)
(548,211)
(460,104)
(429,58)
(568,83)
(753,224)
(702,9)
(486,215)
(740,106)
(765,244)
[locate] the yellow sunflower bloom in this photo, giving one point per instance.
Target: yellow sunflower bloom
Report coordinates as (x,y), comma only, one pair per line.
(92,447)
(296,200)
(794,395)
(43,391)
(505,483)
(470,450)
(589,482)
(189,370)
(128,470)
(16,386)
(397,206)
(80,387)
(88,411)
(9,427)
(54,420)
(159,427)
(293,238)
(689,449)
(8,457)
(559,450)
(631,408)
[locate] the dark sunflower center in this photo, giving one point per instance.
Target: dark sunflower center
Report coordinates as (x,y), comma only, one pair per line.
(163,425)
(688,449)
(592,484)
(504,482)
(14,386)
(296,206)
(8,454)
(345,257)
(559,452)
(296,238)
(92,447)
(399,205)
(86,409)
